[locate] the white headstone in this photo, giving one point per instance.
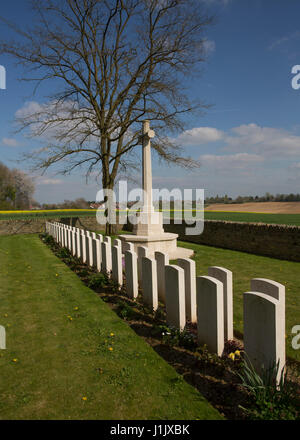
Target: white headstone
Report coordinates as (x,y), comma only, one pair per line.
(117,269)
(128,247)
(106,264)
(74,243)
(149,282)
(264,325)
(189,267)
(141,253)
(78,244)
(225,276)
(210,312)
(162,260)
(83,249)
(107,239)
(175,296)
(89,251)
(131,274)
(118,242)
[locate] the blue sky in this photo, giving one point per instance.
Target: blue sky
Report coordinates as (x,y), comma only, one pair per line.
(248,141)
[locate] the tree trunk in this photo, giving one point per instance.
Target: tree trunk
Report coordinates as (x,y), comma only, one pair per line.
(110,228)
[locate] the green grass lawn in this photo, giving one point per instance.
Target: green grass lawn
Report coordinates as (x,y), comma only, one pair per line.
(247,266)
(58,363)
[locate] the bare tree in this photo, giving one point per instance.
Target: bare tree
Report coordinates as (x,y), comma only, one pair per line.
(114,63)
(24,189)
(16,189)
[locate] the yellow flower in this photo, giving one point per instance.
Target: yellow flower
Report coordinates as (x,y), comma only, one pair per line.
(15,360)
(112,334)
(76,308)
(232,356)
(84,398)
(70,318)
(110,348)
(237,353)
(56,274)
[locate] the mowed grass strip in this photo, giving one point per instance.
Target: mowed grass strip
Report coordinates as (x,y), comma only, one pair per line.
(69,356)
(247,266)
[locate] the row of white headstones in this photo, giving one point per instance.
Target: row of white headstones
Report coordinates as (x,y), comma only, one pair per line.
(205,300)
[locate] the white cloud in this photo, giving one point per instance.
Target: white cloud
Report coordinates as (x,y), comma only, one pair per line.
(266,141)
(247,138)
(10,142)
(55,120)
(209,46)
(61,122)
(230,162)
(295,166)
(212,2)
(50,181)
(28,109)
(279,42)
(200,135)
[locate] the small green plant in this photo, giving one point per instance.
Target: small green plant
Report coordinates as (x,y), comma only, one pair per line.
(63,253)
(173,336)
(159,314)
(47,239)
(207,358)
(124,310)
(271,400)
(97,281)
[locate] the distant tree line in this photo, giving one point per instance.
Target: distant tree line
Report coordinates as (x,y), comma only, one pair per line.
(250,199)
(79,203)
(16,189)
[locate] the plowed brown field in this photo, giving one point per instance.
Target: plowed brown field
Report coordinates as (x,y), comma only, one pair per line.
(263,207)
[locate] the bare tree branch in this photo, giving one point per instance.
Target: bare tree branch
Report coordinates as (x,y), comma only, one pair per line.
(114,63)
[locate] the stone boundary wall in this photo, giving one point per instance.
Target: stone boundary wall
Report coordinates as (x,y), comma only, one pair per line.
(37,225)
(32,226)
(271,240)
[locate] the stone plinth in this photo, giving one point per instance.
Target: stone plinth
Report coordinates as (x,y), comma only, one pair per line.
(164,242)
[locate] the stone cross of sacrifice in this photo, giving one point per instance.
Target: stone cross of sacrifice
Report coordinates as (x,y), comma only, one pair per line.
(148,134)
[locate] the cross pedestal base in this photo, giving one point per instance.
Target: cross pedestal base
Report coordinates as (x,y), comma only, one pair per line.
(163,242)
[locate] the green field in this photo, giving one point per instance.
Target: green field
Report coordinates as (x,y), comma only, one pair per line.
(281,219)
(247,266)
(69,356)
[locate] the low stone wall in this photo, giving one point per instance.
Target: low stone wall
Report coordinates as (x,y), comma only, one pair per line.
(12,227)
(277,241)
(37,225)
